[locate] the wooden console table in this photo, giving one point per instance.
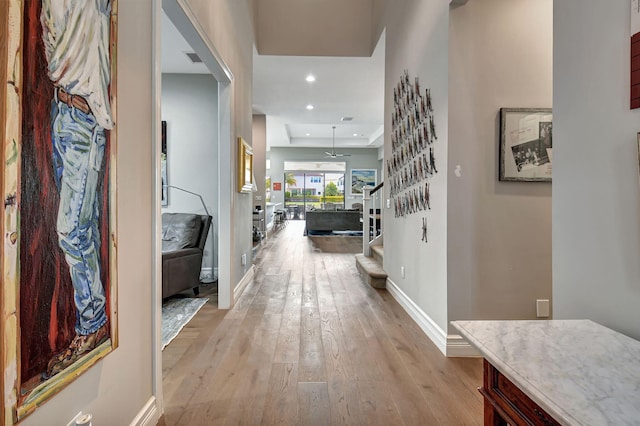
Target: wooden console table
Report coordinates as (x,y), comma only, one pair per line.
(572,372)
(505,403)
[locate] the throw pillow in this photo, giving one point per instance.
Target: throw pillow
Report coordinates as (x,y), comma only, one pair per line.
(180,230)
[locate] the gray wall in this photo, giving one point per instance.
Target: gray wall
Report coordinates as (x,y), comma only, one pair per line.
(190,107)
(417,34)
(259,157)
(596,202)
(499,233)
(361,158)
(228,27)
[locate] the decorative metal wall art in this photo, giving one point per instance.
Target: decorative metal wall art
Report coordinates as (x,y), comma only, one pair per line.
(413,160)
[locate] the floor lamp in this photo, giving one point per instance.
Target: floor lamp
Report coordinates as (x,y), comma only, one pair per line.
(206,279)
(192,193)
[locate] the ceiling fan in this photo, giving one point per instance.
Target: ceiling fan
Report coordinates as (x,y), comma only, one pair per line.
(333,153)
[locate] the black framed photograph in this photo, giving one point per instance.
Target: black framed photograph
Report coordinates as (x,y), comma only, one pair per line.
(526,144)
(163,166)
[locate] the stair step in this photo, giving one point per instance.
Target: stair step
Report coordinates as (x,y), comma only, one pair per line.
(371,271)
(377,252)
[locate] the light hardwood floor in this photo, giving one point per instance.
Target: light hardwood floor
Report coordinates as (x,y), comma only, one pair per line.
(309,344)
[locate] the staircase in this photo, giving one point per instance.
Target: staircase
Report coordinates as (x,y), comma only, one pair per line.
(370,268)
(369,262)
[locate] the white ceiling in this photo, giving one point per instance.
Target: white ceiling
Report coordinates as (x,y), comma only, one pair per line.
(350,87)
(174,47)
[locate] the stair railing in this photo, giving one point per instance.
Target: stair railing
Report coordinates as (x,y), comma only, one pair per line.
(371,216)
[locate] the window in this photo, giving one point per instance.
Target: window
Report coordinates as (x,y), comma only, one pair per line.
(321,189)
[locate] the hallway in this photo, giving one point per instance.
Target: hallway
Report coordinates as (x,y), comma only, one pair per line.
(308,343)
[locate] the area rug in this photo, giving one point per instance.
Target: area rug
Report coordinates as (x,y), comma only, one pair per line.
(176,313)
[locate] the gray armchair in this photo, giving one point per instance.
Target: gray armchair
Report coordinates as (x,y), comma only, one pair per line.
(183,239)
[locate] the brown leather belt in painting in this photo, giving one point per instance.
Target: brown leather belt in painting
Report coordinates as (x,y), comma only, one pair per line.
(73,101)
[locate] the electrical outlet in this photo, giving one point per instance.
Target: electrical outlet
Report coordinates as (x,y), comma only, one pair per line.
(258,197)
(72,422)
(402,271)
(542,308)
(84,420)
(388,203)
(243,260)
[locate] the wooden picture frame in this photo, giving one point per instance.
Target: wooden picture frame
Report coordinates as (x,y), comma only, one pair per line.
(361,178)
(39,308)
(245,166)
(526,144)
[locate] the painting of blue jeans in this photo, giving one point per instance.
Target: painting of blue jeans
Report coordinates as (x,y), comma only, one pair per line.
(63,279)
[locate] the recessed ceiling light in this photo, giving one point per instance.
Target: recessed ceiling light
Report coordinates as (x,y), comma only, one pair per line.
(308,134)
(310,78)
(346,119)
(355,134)
(309,107)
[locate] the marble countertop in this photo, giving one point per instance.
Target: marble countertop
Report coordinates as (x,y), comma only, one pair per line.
(578,371)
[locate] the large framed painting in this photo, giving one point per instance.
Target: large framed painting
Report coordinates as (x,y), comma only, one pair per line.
(526,144)
(245,166)
(58,128)
(361,178)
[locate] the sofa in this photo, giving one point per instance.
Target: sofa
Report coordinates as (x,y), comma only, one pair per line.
(183,238)
(328,221)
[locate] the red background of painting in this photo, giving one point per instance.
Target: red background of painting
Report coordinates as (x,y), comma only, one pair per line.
(47,310)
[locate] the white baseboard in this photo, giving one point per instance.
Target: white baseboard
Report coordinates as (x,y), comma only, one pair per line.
(457,346)
(424,321)
(452,345)
(149,415)
(237,292)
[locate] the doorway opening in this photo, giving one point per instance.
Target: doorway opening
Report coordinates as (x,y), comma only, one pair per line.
(313,186)
(198,167)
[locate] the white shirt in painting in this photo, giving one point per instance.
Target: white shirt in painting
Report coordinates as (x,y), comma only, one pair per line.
(76,42)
